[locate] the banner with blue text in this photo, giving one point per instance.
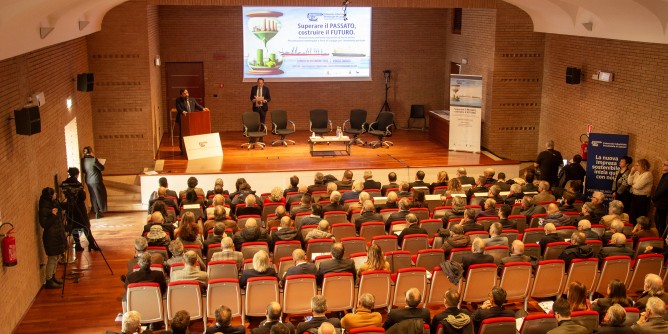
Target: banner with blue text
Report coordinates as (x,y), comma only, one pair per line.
(603,162)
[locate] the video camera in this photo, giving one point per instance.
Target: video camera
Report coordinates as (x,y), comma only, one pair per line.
(71,190)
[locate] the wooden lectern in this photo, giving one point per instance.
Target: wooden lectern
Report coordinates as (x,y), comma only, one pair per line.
(196,123)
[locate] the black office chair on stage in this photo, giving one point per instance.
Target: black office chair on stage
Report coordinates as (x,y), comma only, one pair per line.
(356,125)
(319,122)
(279,127)
(417,112)
(253,130)
(382,128)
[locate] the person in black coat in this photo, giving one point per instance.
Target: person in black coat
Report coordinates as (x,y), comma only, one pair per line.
(77,219)
(369,183)
(185,104)
(476,256)
(223,319)
(411,228)
(301,267)
(274,312)
(53,237)
(492,308)
(337,264)
(411,311)
(91,168)
(260,97)
(577,250)
(145,274)
(550,236)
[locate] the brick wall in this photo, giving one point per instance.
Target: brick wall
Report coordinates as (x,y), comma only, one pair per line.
(634,103)
(28,163)
(410,42)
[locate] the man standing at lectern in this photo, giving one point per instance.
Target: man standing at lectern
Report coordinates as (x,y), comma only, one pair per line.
(260,97)
(185,104)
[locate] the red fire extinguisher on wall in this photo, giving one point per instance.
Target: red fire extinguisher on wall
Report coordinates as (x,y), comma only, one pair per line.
(8,247)
(584,142)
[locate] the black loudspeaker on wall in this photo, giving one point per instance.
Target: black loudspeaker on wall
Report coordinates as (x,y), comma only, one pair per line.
(85,82)
(27,121)
(573,75)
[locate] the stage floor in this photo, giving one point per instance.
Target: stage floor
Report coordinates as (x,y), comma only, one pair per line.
(412,149)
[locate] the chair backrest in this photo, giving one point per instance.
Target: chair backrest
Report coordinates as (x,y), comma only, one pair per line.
(477,234)
(518,220)
(439,190)
(533,235)
(357,118)
(415,242)
(387,243)
(269,208)
(588,319)
(343,230)
(175,266)
(241,220)
(397,226)
(480,280)
(655,242)
(440,283)
(431,226)
(384,120)
(318,246)
(377,283)
(339,291)
(566,231)
(185,295)
(408,278)
(516,279)
(160,250)
(285,248)
(248,249)
(284,264)
(644,264)
(318,259)
(512,235)
(353,245)
(371,229)
(319,118)
(598,228)
(486,222)
(301,215)
(359,258)
(260,291)
(532,250)
(632,315)
(538,323)
(297,294)
(196,248)
(548,279)
(251,121)
(498,252)
(440,211)
(456,254)
(398,260)
(373,192)
(385,213)
(145,298)
(222,269)
(355,214)
(596,246)
(306,229)
(279,117)
(429,258)
(213,248)
(554,249)
(335,217)
(223,292)
(614,267)
(420,213)
(501,325)
(583,271)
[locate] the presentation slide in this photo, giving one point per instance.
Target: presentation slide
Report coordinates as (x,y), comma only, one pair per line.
(307,43)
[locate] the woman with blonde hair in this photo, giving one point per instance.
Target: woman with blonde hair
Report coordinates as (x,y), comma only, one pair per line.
(442,179)
(261,267)
(375,260)
(455,187)
(640,180)
(276,196)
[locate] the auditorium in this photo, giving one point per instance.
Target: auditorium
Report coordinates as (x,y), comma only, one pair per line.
(431,208)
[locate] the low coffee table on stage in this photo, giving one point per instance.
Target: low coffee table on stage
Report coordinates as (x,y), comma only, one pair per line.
(345,140)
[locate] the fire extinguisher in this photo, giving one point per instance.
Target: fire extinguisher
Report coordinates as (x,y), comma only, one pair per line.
(8,247)
(584,145)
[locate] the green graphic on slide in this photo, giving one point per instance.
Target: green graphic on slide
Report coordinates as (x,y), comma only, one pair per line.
(265,25)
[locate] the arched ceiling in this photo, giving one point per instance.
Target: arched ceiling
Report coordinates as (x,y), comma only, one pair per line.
(27,25)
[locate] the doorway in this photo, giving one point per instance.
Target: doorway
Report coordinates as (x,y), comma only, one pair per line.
(72,144)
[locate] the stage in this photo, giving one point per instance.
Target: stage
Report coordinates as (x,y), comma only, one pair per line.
(273,166)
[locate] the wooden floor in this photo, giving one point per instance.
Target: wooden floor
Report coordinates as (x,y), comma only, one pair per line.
(411,149)
(91,305)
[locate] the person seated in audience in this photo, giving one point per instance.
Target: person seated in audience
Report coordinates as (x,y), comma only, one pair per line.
(489,209)
(419,199)
(489,173)
(318,309)
(363,196)
(375,260)
(157,237)
(223,323)
(419,180)
(228,253)
(568,202)
(261,268)
(276,196)
(177,250)
(159,206)
(180,323)
(145,274)
(615,211)
(652,320)
(616,226)
(188,232)
(368,214)
(335,203)
(658,250)
(337,264)
(237,186)
(616,247)
(598,199)
(244,192)
(312,219)
(162,182)
(457,210)
(550,236)
(192,185)
(357,188)
(502,183)
(515,194)
(285,232)
(653,287)
(461,175)
(404,190)
(168,201)
(613,321)
(516,255)
(576,294)
(217,183)
(495,238)
(322,232)
(452,319)
(331,187)
(294,186)
(411,311)
(346,182)
(363,315)
(220,216)
(493,193)
(214,238)
(529,177)
(477,256)
(276,221)
(544,194)
(479,188)
(556,217)
(441,181)
(392,202)
(644,229)
(301,267)
(303,190)
(578,249)
(157,219)
(504,212)
(468,222)
(191,271)
(585,226)
(562,312)
(454,238)
(529,208)
(131,324)
(616,296)
(141,246)
(404,210)
(191,198)
(492,308)
(216,200)
(392,179)
(273,318)
(251,207)
(587,212)
(454,188)
(250,233)
(318,183)
(412,227)
(304,206)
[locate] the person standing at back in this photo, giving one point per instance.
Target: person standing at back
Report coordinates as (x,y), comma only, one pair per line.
(91,168)
(548,163)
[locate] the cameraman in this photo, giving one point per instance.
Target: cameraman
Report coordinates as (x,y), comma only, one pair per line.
(77,219)
(54,239)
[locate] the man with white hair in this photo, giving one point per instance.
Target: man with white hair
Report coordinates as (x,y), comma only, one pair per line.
(228,253)
(515,194)
(585,226)
(476,256)
(141,245)
(516,255)
(411,311)
(412,227)
(652,320)
(363,196)
(190,271)
(616,226)
(369,183)
(318,309)
(131,323)
(463,178)
(322,232)
(653,288)
(357,188)
(404,210)
(617,246)
(368,214)
(489,209)
(548,162)
(250,233)
(615,211)
(495,238)
(335,203)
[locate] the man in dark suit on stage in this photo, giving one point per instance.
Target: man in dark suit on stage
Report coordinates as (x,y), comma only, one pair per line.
(185,104)
(260,97)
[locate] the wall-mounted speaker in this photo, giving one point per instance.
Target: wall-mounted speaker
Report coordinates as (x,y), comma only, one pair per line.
(27,121)
(85,82)
(573,75)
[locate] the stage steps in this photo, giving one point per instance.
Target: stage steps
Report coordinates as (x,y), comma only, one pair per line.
(123,193)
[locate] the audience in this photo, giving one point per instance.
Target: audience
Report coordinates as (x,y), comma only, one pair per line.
(453,319)
(550,236)
(130,324)
(653,319)
(616,226)
(368,214)
(335,203)
(363,315)
(177,250)
(223,323)
(228,253)
(346,182)
(492,308)
(261,268)
(476,256)
(214,238)
(468,223)
(615,211)
(544,194)
(653,287)
(411,311)
(562,311)
(322,232)
(273,319)
(191,271)
(157,218)
(616,296)
(613,321)
(312,219)
(285,232)
(516,255)
(457,210)
(318,308)
(576,294)
(442,179)
(640,181)
(585,226)
(318,183)
(495,238)
(251,208)
(304,206)
(504,212)
(489,209)
(454,238)
(279,214)
(188,232)
(141,245)
(556,217)
(461,175)
(515,194)
(220,216)
(392,179)
(455,187)
(145,274)
(617,246)
(156,236)
(358,187)
(250,233)
(404,207)
(644,229)
(529,208)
